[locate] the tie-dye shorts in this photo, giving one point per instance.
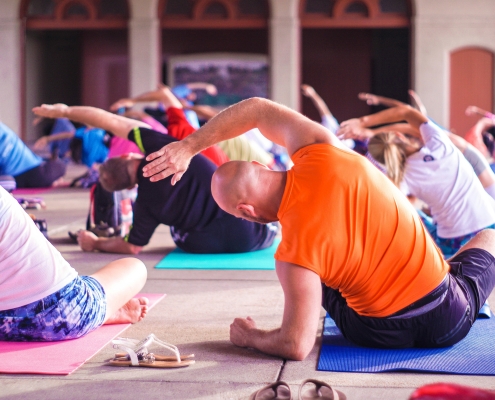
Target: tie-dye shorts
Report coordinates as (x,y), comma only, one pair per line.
(75,310)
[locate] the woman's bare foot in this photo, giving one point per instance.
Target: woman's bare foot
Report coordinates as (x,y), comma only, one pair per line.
(133,311)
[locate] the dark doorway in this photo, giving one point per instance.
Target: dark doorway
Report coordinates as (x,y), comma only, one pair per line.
(340,63)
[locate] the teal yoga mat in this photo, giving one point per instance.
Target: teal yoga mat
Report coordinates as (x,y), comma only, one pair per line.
(258,260)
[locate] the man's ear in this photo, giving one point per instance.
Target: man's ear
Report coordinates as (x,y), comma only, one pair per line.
(247,208)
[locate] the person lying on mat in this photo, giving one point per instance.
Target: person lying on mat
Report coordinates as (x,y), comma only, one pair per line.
(42,298)
(196,222)
(351,240)
(28,169)
(178,125)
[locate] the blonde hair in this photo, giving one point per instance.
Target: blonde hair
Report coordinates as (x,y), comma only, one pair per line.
(389,150)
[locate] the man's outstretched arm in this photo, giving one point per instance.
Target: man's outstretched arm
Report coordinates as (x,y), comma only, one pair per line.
(278,123)
(296,337)
(118,125)
(90,242)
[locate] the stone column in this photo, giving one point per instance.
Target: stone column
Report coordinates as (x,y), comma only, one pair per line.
(10,65)
(144,46)
(285,52)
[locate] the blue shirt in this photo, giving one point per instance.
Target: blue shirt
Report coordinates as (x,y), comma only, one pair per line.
(15,156)
(94,149)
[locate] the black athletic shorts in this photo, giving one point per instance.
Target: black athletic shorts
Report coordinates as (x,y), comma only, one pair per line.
(442,318)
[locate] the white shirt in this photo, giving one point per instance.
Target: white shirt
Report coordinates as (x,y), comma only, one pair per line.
(440,175)
(30,267)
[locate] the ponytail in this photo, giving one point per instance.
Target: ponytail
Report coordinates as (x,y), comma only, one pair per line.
(387,149)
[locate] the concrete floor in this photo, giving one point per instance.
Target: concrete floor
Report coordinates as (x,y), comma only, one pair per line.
(195,315)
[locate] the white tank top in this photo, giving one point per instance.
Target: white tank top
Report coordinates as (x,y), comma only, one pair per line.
(30,267)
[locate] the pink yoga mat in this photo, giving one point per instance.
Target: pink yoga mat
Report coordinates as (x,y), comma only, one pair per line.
(31,191)
(60,358)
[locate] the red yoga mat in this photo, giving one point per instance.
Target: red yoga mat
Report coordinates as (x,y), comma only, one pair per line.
(64,357)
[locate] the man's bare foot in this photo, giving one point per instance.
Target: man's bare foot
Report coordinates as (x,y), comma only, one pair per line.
(133,311)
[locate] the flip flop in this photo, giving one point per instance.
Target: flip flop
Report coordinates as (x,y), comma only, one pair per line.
(125,356)
(275,391)
(151,363)
(138,355)
(318,390)
(140,347)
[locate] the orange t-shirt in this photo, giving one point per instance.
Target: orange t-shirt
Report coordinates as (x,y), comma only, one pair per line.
(344,220)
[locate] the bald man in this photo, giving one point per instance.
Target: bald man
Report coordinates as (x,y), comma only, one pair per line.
(349,237)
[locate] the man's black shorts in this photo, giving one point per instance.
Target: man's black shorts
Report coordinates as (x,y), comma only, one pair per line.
(469,283)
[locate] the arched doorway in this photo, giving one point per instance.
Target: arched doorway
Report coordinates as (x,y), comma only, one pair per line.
(471,83)
(75,53)
(217,27)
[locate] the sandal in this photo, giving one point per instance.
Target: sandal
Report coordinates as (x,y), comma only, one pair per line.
(140,347)
(138,355)
(275,391)
(320,390)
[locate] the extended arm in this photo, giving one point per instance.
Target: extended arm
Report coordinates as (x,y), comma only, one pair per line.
(118,125)
(416,101)
(163,94)
(203,111)
(472,110)
(44,140)
(210,88)
(318,102)
(352,128)
(90,242)
(296,336)
(374,100)
(276,122)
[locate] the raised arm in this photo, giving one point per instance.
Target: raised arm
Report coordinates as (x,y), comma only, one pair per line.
(296,336)
(473,110)
(210,88)
(118,125)
(44,140)
(375,100)
(163,94)
(318,102)
(352,128)
(278,123)
(416,101)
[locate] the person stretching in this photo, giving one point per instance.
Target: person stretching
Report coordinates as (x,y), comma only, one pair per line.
(42,298)
(196,222)
(351,240)
(434,170)
(28,169)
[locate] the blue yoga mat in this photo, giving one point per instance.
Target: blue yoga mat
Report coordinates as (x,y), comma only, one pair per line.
(474,355)
(260,259)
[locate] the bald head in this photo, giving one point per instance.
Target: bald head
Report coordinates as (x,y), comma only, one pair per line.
(230,184)
(247,190)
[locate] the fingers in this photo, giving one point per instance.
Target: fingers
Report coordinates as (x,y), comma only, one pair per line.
(151,157)
(177,177)
(363,96)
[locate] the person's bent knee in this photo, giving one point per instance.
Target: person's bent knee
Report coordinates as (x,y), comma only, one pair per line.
(138,267)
